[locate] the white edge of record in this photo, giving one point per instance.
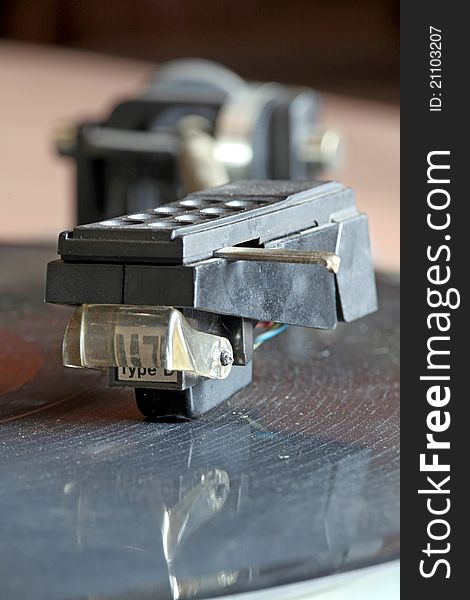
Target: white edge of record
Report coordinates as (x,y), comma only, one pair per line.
(380,582)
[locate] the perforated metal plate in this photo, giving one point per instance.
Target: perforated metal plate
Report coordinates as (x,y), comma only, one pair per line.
(193,228)
(173,217)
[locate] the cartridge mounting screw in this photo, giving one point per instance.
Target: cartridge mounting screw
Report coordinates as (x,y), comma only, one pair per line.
(225,358)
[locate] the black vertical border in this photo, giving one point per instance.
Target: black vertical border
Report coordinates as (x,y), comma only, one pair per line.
(423,131)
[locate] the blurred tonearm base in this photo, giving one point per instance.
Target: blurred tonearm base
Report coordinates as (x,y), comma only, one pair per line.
(196,125)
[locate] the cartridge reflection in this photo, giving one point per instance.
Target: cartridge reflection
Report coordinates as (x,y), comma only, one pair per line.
(196,510)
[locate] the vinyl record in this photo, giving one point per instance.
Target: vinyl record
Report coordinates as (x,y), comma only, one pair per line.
(295,478)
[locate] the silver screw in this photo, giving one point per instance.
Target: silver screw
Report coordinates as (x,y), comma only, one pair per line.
(323,147)
(225,358)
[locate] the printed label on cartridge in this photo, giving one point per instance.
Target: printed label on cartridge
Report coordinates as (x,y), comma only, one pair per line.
(156,375)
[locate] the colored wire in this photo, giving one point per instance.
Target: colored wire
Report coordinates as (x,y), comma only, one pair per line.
(270,333)
(264,324)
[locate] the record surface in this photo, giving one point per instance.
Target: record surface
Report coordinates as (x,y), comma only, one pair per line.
(296,477)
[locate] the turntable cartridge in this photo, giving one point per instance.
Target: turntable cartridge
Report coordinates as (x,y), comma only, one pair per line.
(172,301)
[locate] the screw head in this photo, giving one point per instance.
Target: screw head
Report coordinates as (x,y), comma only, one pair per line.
(225,358)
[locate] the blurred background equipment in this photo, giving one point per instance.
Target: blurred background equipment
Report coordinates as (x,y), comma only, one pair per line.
(68,62)
(196,125)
